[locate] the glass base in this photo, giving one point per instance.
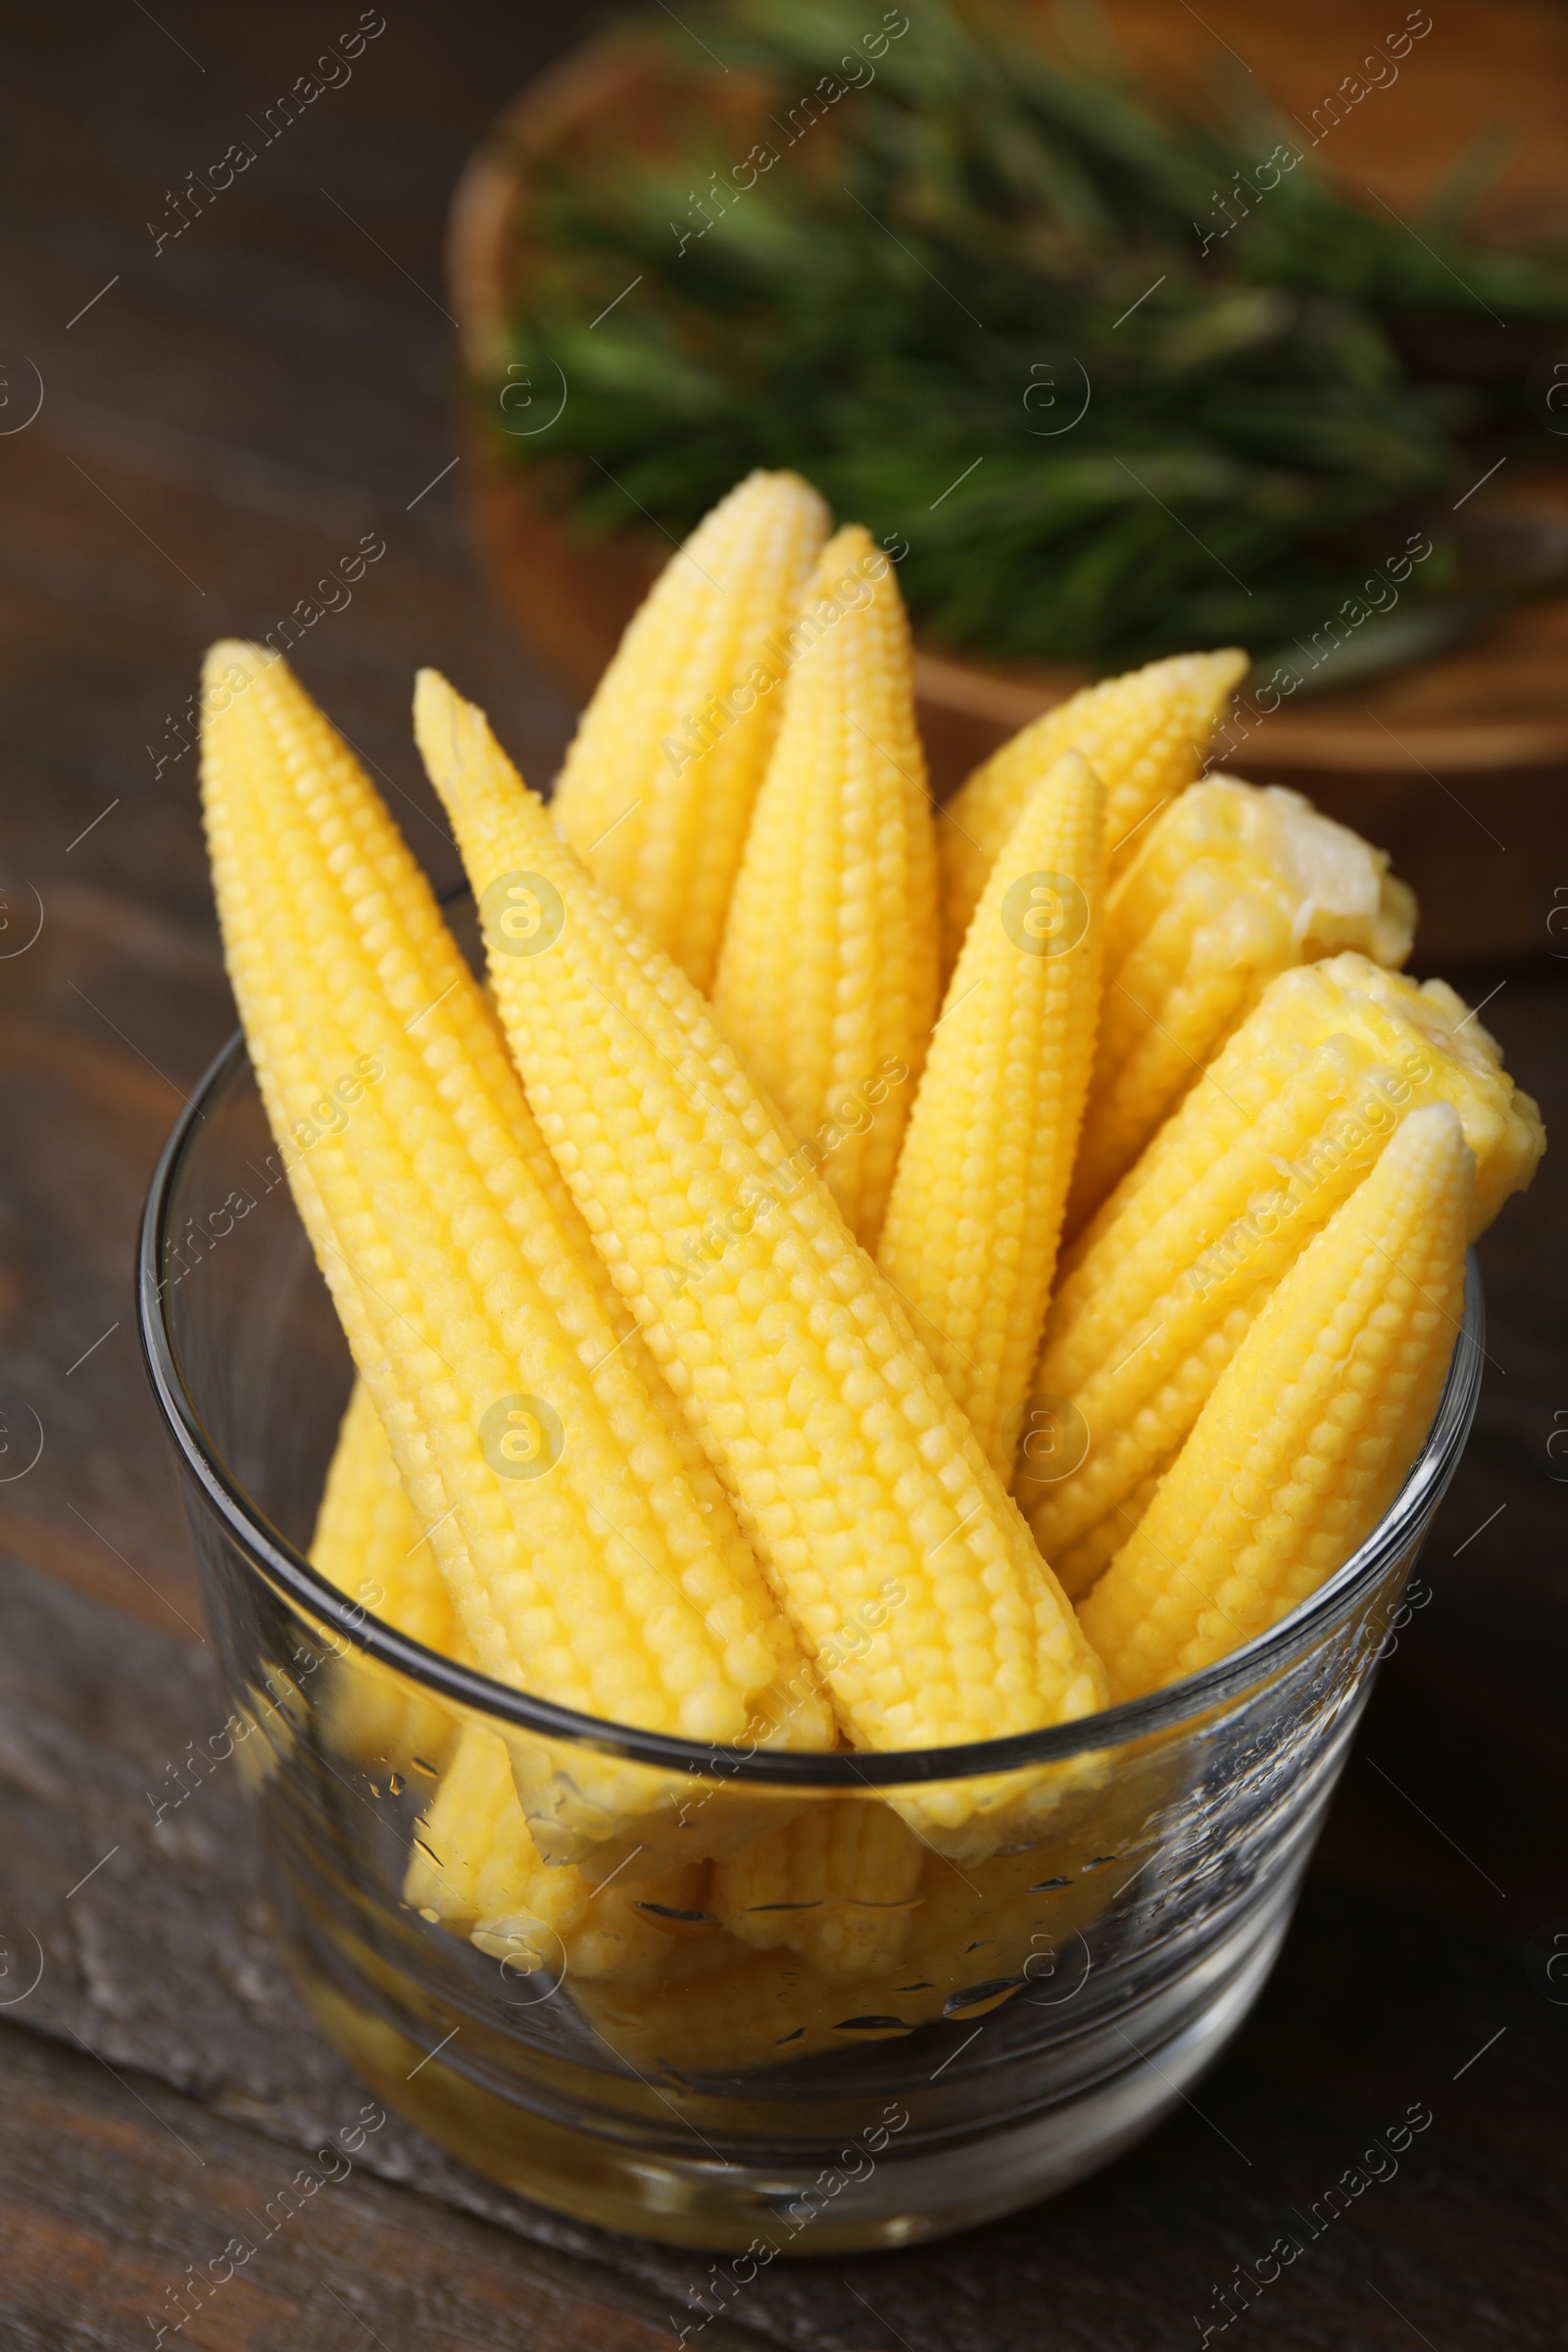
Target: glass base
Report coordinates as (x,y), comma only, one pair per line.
(921,2187)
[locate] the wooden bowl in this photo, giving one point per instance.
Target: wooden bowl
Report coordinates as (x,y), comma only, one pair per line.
(1451,765)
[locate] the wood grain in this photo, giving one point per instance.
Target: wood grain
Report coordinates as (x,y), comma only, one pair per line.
(267,390)
(126,2207)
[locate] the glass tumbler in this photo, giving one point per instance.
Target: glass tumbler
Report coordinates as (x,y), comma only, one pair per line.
(754,2002)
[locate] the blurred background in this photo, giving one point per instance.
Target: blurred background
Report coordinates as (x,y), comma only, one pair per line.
(284,395)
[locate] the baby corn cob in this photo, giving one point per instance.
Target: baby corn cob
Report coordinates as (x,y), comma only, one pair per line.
(1080,1564)
(476,1869)
(658,787)
(635,1932)
(457,1831)
(1145,736)
(369,1543)
(368,1540)
(1311,1428)
(474,1861)
(969,1941)
(1160,1289)
(1229,886)
(827,976)
(899,1556)
(970,1240)
(837,1885)
(580,1562)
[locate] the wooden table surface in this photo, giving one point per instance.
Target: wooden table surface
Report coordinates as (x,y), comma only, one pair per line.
(222,416)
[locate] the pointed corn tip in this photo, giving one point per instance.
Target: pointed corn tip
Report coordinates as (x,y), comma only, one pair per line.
(1430,1150)
(1214,676)
(848,564)
(782,477)
(1432,1130)
(849,536)
(1070,768)
(1067,790)
(227,654)
(438,711)
(761,487)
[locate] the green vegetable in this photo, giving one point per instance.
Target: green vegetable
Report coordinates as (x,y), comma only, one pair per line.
(990,305)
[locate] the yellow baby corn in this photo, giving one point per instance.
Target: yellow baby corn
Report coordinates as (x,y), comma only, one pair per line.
(457,1831)
(828,977)
(369,1543)
(581,1563)
(475,1868)
(838,1883)
(1145,736)
(368,1540)
(1160,1287)
(1312,1425)
(1229,886)
(658,787)
(901,1562)
(970,1240)
(1081,1564)
(617,1943)
(968,1941)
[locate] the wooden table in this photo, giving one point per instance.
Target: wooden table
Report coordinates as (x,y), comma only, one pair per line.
(223,418)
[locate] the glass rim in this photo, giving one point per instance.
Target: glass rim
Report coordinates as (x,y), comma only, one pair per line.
(269,1555)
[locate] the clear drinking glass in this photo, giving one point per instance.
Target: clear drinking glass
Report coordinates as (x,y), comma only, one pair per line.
(806,2002)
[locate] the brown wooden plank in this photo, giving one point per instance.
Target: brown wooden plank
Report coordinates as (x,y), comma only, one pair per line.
(125,2208)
